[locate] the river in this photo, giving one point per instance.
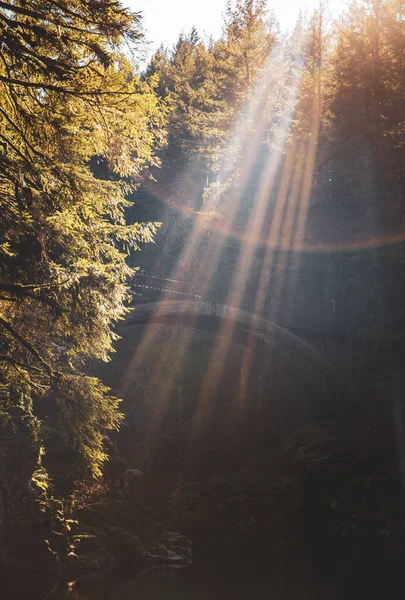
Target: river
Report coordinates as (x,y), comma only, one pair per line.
(285,572)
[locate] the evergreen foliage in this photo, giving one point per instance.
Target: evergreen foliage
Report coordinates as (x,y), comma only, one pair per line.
(324,108)
(317,115)
(69,94)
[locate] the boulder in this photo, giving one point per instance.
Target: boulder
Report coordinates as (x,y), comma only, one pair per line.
(173,549)
(95,565)
(129,484)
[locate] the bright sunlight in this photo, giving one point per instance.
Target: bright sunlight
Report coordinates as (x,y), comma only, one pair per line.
(202,326)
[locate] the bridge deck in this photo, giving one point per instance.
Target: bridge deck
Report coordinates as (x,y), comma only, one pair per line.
(321,324)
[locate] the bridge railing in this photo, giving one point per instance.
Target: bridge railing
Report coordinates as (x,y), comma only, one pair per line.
(148,287)
(147,284)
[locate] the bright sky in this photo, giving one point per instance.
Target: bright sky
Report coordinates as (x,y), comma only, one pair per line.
(165,19)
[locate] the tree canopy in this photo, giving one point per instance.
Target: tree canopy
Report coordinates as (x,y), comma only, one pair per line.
(253,147)
(70,97)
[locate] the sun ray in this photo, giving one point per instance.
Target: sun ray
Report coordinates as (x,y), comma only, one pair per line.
(298,240)
(246,144)
(255,224)
(287,174)
(250,143)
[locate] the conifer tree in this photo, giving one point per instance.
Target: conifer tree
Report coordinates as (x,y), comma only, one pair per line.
(69,96)
(365,96)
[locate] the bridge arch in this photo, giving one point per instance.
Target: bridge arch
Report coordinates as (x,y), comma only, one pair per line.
(245,327)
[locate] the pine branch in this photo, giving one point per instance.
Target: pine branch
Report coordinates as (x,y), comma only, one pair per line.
(22,11)
(26,345)
(16,150)
(28,144)
(56,88)
(7,358)
(8,299)
(18,288)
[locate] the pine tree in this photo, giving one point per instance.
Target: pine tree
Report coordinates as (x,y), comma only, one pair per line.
(249,37)
(69,98)
(365,97)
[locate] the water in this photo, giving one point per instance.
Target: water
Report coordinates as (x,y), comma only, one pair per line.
(281,572)
(278,569)
(209,580)
(238,581)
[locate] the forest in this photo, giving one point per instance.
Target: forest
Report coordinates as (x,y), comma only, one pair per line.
(254,186)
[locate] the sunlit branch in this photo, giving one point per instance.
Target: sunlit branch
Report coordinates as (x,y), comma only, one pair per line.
(27,345)
(62,90)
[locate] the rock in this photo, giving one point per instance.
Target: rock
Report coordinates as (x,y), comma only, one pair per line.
(129,483)
(159,553)
(138,550)
(179,543)
(174,549)
(123,543)
(95,565)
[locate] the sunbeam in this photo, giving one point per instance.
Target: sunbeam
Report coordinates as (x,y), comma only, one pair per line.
(255,224)
(202,275)
(242,142)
